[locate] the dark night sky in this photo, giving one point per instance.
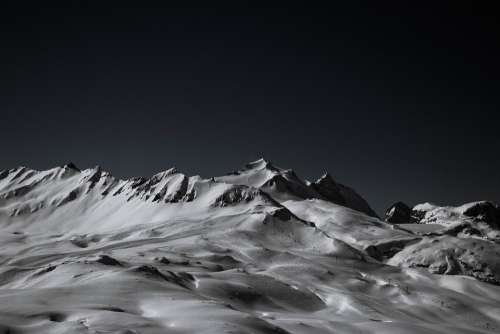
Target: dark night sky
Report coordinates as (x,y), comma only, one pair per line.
(399,103)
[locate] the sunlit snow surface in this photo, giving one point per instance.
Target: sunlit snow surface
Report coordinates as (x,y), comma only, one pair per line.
(258,251)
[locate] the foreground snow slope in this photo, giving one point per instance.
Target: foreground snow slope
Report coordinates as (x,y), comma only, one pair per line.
(255,251)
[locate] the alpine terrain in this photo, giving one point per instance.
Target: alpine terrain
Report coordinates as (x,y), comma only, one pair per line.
(258,250)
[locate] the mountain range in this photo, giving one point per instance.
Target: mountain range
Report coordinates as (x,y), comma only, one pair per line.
(258,250)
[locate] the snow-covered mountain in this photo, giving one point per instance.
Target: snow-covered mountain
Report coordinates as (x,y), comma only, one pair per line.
(456,240)
(258,250)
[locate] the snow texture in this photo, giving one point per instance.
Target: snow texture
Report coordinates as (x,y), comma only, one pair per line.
(256,251)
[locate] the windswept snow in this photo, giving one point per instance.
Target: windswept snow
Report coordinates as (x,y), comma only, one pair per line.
(256,251)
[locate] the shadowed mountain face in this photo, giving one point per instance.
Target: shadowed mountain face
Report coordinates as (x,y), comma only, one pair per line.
(284,184)
(259,250)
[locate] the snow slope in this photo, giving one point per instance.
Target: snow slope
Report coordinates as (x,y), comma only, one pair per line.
(255,251)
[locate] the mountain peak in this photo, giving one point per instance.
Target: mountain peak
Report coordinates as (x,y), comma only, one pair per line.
(326,178)
(261,163)
(398,213)
(165,173)
(96,168)
(71,165)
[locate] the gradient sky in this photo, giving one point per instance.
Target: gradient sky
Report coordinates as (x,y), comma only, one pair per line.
(400,103)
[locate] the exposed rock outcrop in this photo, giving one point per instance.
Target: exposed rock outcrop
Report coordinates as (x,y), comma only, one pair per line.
(398,213)
(484,211)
